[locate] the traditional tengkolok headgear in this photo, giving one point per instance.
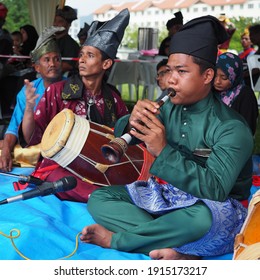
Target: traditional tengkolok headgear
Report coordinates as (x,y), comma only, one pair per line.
(245,33)
(84,30)
(205,33)
(222,17)
(68,13)
(3,11)
(178,19)
(46,43)
(107,36)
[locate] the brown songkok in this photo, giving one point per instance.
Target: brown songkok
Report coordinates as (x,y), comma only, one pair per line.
(199,37)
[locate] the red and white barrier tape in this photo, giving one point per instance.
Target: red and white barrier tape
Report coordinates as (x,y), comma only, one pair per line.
(76,58)
(28,57)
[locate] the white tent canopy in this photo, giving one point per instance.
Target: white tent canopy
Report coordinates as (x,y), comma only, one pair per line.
(42,12)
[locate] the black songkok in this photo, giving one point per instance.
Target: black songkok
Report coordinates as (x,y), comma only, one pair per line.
(178,19)
(83,31)
(68,13)
(107,36)
(199,37)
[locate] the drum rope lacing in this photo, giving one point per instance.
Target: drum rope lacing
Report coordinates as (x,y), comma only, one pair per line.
(103,167)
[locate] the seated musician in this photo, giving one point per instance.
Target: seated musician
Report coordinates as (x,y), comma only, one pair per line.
(254,33)
(87,94)
(202,169)
(46,61)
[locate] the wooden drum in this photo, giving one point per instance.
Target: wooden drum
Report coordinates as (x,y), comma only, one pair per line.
(75,144)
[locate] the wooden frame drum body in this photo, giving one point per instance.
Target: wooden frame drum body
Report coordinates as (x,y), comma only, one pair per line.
(247,242)
(75,144)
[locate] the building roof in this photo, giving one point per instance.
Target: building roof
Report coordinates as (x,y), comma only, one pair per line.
(141,5)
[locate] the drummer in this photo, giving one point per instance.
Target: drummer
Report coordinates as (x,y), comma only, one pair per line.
(46,60)
(87,94)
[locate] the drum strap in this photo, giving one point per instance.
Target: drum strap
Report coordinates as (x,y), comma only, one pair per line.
(74,88)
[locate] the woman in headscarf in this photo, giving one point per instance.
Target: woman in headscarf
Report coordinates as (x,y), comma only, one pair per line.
(30,37)
(230,86)
(29,40)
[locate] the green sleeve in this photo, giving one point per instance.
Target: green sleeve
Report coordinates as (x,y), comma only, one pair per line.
(225,168)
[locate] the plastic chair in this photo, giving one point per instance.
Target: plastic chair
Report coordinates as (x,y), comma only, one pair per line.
(253,62)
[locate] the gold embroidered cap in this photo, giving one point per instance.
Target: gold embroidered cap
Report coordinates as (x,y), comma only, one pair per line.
(46,43)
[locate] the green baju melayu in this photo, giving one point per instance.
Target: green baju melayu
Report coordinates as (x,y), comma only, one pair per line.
(208,155)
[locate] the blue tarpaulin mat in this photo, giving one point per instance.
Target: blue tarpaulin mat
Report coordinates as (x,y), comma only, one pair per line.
(49,227)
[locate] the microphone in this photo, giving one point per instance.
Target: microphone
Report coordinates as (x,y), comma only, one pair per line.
(62,185)
(30,180)
(23,179)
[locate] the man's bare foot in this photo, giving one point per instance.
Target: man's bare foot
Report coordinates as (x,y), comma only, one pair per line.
(97,234)
(170,254)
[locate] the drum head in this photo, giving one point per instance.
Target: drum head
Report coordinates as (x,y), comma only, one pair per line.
(57,133)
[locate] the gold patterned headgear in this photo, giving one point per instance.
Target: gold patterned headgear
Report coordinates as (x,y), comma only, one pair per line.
(245,33)
(46,43)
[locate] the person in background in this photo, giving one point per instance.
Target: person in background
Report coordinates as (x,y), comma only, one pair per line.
(202,167)
(46,60)
(229,85)
(69,48)
(162,77)
(30,37)
(248,48)
(164,47)
(17,38)
(18,63)
(230,28)
(90,97)
(173,25)
(254,33)
(6,49)
(83,33)
(5,41)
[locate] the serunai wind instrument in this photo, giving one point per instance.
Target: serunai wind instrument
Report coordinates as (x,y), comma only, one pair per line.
(114,150)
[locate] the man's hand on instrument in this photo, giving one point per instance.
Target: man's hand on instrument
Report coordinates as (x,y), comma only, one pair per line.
(148,128)
(144,105)
(6,161)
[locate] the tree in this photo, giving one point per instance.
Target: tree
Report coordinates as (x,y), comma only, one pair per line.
(18,14)
(241,24)
(131,34)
